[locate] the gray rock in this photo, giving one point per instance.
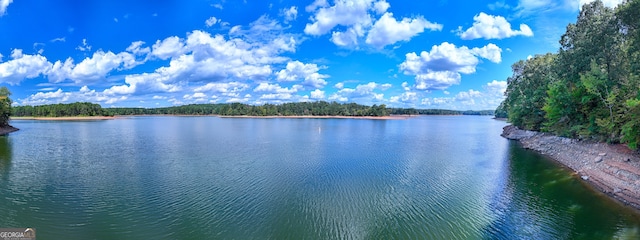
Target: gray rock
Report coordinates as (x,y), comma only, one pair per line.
(602,154)
(598,159)
(585,178)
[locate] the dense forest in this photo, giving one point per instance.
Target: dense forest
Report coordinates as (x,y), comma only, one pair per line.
(61,110)
(234,109)
(590,88)
(5,107)
(413,111)
(239,109)
(287,109)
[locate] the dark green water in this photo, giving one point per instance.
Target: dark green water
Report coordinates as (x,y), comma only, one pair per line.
(448,177)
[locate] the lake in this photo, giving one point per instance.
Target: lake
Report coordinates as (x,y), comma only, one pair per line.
(432,177)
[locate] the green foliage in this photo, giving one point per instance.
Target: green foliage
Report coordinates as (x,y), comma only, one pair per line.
(502,111)
(600,93)
(5,106)
(558,109)
(630,24)
(60,110)
(527,90)
(590,89)
(631,129)
(413,111)
(320,108)
(239,109)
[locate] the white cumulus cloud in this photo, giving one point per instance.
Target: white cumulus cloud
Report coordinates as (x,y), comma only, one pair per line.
(196,97)
(317,94)
(436,80)
(349,21)
(91,69)
(84,94)
(365,92)
(307,72)
(3,6)
(448,57)
(23,66)
(345,13)
(442,65)
(168,47)
(387,30)
(406,97)
(226,88)
(276,88)
(491,52)
(137,49)
(493,27)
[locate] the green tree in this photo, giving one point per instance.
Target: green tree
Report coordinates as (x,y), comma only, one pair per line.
(592,85)
(527,90)
(5,106)
(628,14)
(597,82)
(631,129)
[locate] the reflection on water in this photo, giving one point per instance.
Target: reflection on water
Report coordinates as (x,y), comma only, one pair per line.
(449,177)
(5,155)
(546,201)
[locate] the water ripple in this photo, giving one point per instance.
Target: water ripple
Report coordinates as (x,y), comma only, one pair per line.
(204,178)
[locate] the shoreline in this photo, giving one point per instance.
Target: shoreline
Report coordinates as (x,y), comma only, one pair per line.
(611,169)
(8,129)
(65,118)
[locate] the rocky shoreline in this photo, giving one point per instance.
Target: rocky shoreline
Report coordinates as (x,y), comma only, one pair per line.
(612,169)
(6,130)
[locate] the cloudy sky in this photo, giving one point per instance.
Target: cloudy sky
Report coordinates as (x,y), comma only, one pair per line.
(423,54)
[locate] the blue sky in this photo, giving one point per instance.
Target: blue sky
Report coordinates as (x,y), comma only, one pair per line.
(422,54)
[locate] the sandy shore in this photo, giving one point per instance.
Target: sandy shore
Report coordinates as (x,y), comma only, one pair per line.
(7,130)
(611,169)
(392,117)
(64,118)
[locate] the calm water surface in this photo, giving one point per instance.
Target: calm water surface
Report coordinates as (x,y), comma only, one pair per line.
(450,177)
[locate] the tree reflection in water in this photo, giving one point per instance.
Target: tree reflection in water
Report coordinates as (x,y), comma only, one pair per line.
(5,155)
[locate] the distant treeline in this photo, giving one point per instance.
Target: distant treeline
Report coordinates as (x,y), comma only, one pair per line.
(60,110)
(320,108)
(239,109)
(227,109)
(413,111)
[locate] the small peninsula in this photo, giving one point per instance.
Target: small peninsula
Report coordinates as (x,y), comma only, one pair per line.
(7,129)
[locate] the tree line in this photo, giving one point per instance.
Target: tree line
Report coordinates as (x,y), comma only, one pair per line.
(61,110)
(320,108)
(230,109)
(413,111)
(590,88)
